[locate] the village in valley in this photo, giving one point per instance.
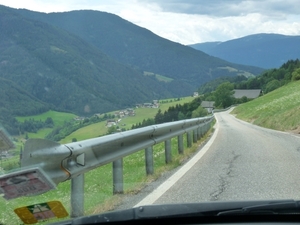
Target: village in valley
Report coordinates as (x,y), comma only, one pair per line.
(118,115)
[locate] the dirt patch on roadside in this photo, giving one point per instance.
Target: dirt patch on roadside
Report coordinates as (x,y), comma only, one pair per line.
(295,131)
(252,121)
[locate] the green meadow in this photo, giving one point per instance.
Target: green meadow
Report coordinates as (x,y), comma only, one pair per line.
(57,117)
(159,77)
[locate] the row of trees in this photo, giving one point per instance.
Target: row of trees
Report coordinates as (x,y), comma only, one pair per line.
(31,125)
(272,79)
(175,113)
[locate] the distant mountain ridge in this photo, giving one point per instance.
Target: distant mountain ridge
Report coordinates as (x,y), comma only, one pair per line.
(261,50)
(137,46)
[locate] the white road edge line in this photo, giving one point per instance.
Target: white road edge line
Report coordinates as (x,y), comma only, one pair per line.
(160,190)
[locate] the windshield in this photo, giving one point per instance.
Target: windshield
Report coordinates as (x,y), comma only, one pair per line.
(110,106)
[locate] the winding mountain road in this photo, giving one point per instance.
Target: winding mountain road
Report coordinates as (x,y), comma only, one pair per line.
(243,162)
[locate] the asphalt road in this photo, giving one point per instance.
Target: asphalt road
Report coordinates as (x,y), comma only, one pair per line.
(242,162)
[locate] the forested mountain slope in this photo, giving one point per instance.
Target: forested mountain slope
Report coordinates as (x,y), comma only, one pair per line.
(62,70)
(137,46)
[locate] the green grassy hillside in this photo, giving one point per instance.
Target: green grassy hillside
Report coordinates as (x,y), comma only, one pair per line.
(279,109)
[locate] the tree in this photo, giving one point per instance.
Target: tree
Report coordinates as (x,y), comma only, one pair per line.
(253,83)
(49,122)
(272,85)
(244,99)
(296,75)
(111,130)
(159,117)
(181,116)
(199,112)
(86,120)
(224,95)
(194,104)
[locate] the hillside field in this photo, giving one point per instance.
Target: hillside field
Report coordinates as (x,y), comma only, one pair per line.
(279,109)
(57,117)
(98,129)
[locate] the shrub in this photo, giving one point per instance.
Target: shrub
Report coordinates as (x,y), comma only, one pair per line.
(296,75)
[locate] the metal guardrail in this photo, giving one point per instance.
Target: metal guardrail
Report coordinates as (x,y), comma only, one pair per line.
(61,162)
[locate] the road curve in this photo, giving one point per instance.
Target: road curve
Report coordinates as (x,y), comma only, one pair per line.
(244,162)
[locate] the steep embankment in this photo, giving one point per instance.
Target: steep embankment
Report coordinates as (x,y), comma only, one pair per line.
(279,109)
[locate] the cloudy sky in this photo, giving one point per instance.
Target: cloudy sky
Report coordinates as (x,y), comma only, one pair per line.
(189,21)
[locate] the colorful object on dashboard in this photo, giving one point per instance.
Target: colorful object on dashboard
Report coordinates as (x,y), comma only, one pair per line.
(43,211)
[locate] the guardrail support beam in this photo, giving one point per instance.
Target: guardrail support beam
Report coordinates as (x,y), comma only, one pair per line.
(195,136)
(168,153)
(202,130)
(199,133)
(207,126)
(189,139)
(149,160)
(77,196)
(118,176)
(180,144)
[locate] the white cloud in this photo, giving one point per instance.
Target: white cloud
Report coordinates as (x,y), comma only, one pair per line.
(221,8)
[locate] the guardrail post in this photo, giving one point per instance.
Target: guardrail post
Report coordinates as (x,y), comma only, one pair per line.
(168,153)
(180,144)
(207,126)
(195,136)
(189,139)
(149,160)
(118,176)
(203,130)
(77,196)
(199,133)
